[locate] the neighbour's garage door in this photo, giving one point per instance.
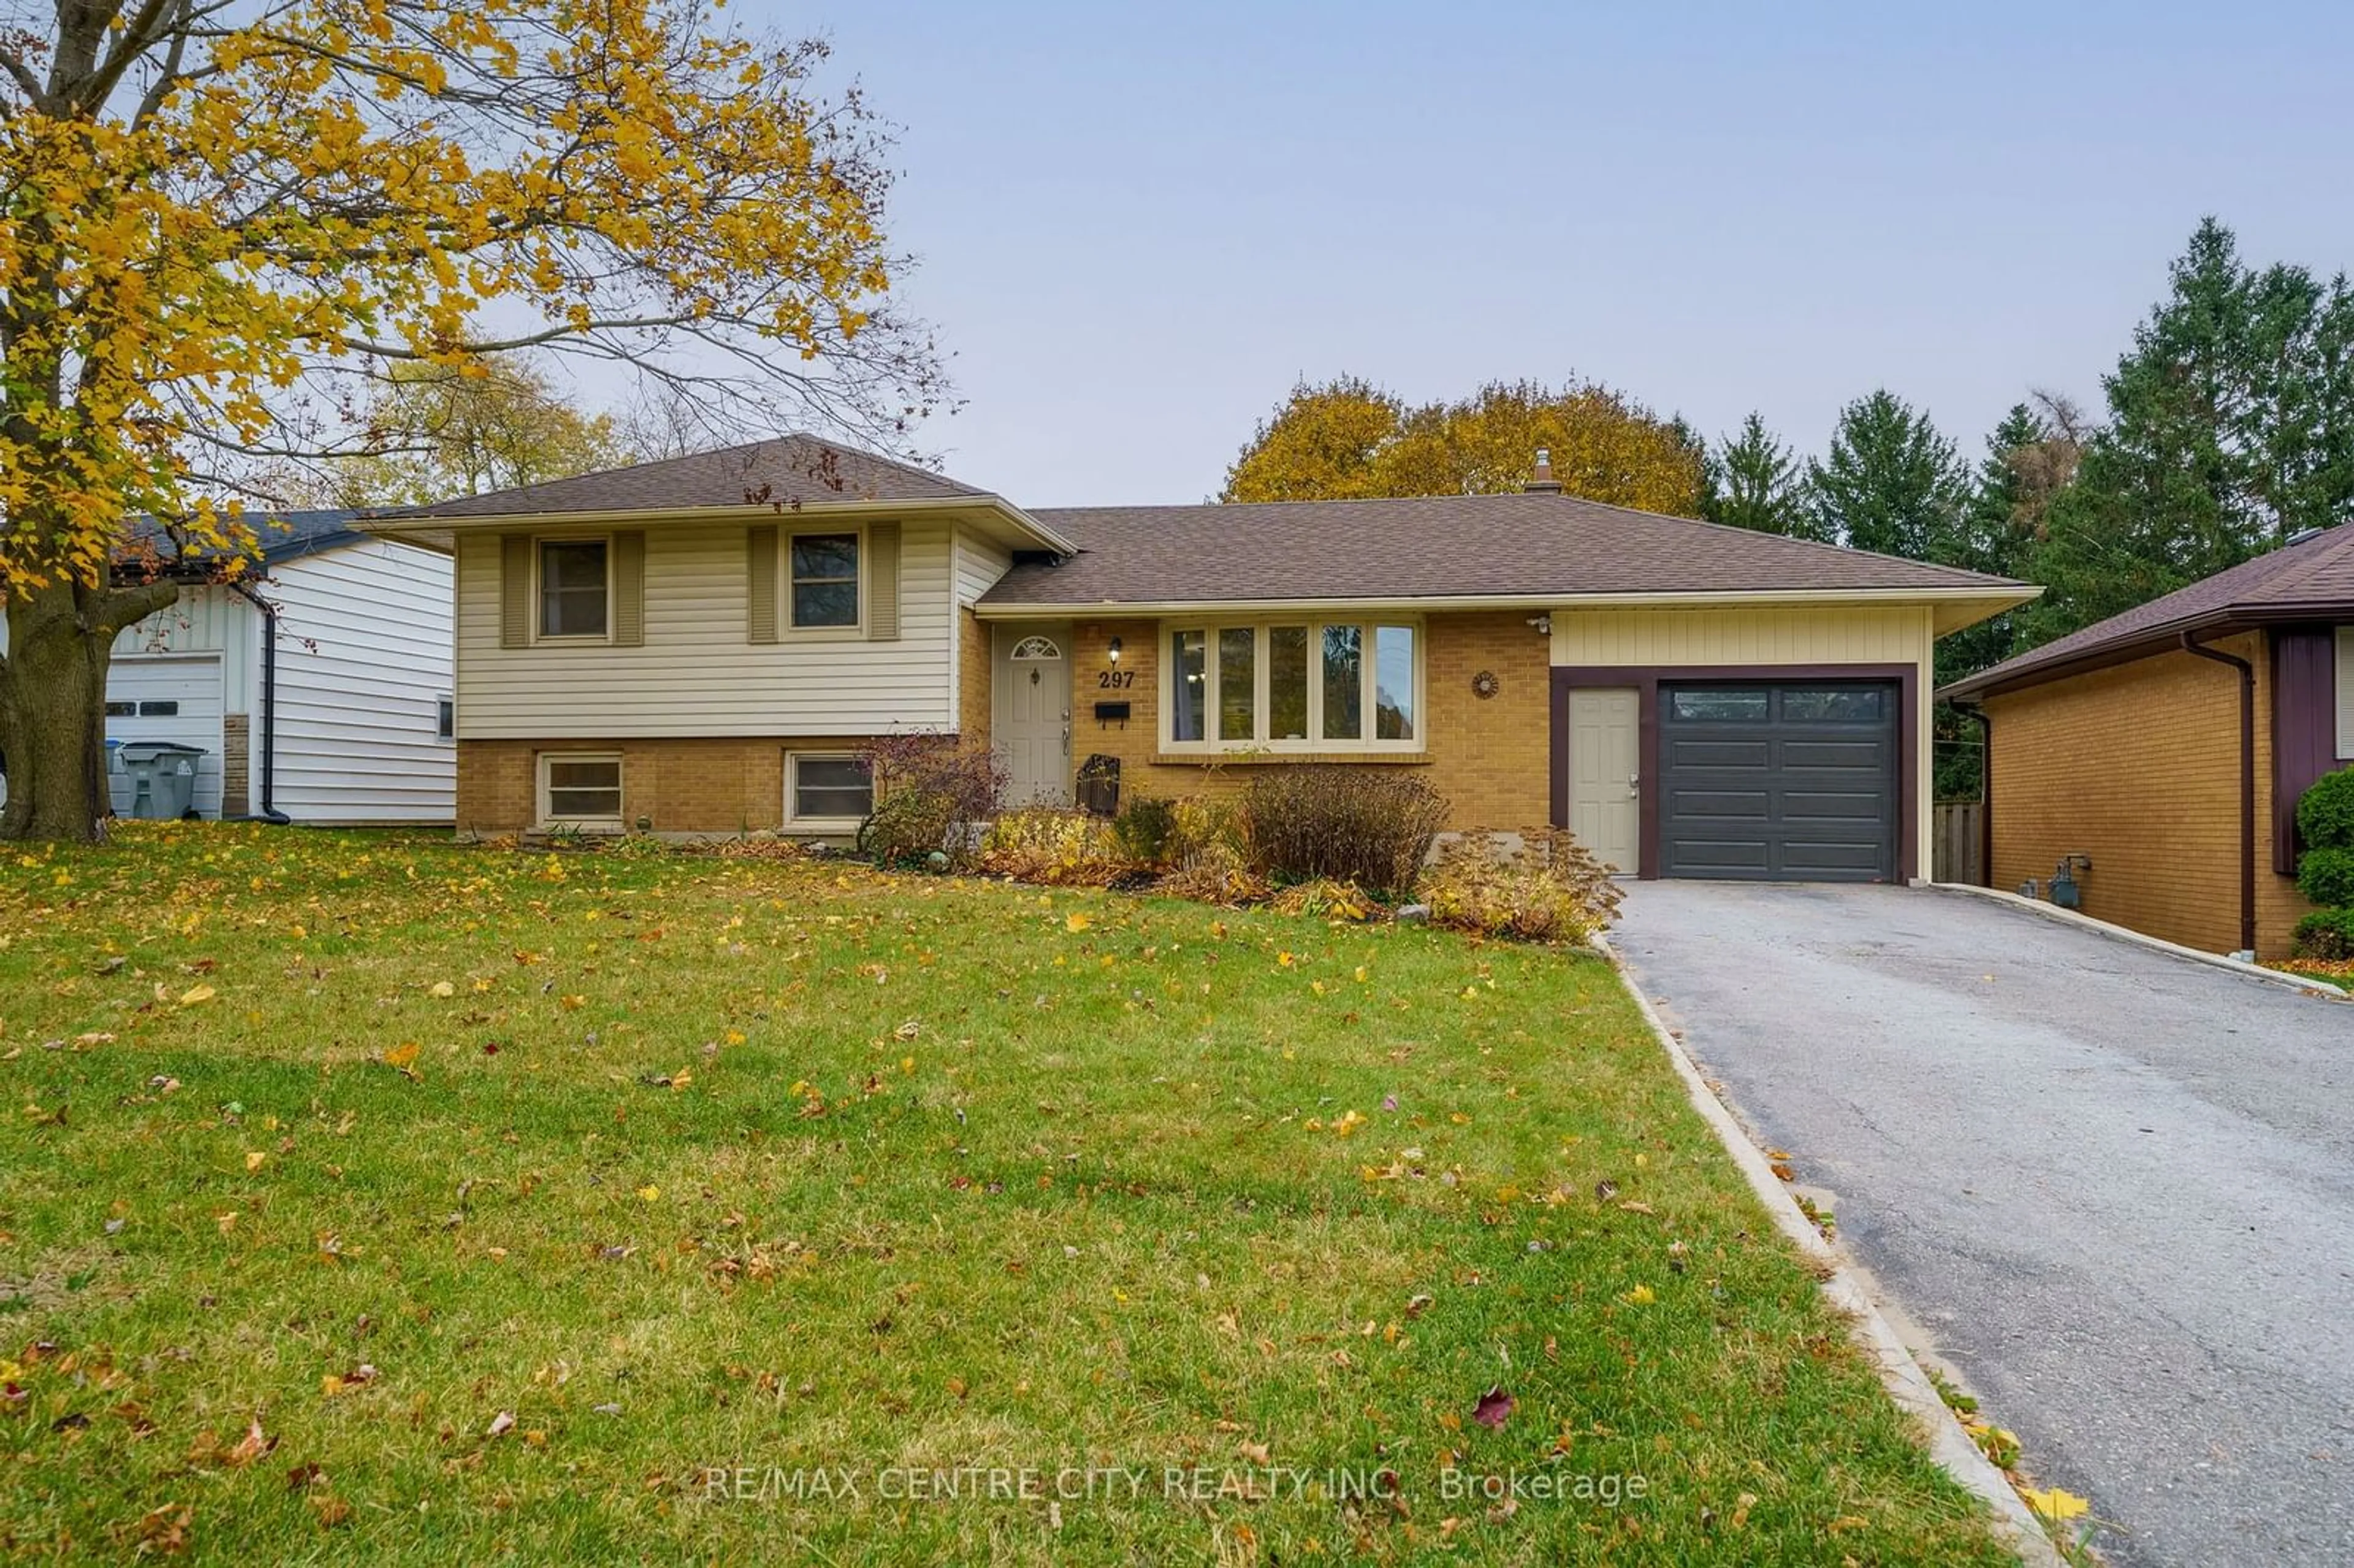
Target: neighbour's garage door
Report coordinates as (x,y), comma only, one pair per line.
(1779,782)
(176,699)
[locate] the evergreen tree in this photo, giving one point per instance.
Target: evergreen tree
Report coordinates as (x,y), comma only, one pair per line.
(2031,454)
(1891,482)
(2230,429)
(1756,482)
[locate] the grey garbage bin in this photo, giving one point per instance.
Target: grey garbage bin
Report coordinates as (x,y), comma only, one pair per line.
(162,776)
(118,782)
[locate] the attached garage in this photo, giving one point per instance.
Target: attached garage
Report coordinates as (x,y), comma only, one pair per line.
(1781,744)
(1768,780)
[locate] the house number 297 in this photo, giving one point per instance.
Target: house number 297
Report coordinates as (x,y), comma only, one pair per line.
(1111,679)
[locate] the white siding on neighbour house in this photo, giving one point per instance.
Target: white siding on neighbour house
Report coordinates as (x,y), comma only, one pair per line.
(697,673)
(363,657)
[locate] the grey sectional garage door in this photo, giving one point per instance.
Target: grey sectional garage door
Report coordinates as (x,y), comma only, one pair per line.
(1778,781)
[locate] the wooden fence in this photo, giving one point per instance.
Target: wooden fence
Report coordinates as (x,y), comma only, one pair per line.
(1957,841)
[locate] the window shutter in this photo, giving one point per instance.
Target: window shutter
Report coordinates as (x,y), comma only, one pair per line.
(630,589)
(760,569)
(515,590)
(883,582)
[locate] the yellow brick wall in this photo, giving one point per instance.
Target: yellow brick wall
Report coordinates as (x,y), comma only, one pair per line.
(2138,767)
(973,666)
(717,786)
(1490,758)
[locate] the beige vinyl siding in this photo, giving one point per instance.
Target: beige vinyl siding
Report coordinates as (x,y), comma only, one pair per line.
(1763,638)
(1811,634)
(979,563)
(696,673)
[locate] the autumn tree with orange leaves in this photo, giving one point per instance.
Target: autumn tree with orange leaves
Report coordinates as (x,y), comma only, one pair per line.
(225,223)
(1348,439)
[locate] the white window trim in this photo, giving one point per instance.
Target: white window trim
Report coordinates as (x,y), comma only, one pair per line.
(786,625)
(539,633)
(1313,745)
(586,825)
(2343,694)
(793,760)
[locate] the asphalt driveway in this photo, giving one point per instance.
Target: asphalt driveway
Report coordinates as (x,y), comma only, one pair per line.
(2115,1188)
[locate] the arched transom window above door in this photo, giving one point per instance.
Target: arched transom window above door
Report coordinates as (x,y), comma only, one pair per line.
(1035,648)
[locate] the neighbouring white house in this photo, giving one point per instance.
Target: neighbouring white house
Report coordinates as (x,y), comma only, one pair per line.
(320,688)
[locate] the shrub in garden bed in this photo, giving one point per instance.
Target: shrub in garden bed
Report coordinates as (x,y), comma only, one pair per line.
(1552,890)
(2324,812)
(2327,876)
(932,791)
(2326,935)
(1060,848)
(1370,826)
(1145,831)
(2325,872)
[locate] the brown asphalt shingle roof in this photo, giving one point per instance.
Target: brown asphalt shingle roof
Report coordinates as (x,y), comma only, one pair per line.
(2317,575)
(1519,545)
(778,473)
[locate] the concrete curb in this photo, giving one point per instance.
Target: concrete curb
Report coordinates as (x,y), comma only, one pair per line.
(1843,1287)
(2159,944)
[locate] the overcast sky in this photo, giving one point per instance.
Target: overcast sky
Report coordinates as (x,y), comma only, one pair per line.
(1138,225)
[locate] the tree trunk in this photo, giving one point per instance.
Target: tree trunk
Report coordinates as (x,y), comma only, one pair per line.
(53,705)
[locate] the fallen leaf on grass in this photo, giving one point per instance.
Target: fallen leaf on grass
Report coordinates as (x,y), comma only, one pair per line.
(402,1059)
(1495,1407)
(1075,921)
(164,1532)
(250,1447)
(255,1160)
(501,1425)
(441,988)
(332,1510)
(195,994)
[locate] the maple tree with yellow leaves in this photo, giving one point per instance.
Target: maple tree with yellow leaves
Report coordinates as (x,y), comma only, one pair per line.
(223,224)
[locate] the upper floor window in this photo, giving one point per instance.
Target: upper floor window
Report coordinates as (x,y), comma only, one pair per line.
(575,587)
(825,580)
(1299,686)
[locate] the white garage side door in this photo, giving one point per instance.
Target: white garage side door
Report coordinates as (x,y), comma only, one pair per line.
(171,699)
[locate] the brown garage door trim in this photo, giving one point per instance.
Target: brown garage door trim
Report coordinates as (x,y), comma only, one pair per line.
(1645,679)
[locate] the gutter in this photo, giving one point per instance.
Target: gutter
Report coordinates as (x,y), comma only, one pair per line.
(2191,644)
(269,812)
(2010,596)
(413,525)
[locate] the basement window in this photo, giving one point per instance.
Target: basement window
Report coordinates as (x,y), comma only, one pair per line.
(828,792)
(580,791)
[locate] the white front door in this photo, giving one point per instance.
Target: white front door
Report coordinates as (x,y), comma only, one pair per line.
(1032,712)
(1605,774)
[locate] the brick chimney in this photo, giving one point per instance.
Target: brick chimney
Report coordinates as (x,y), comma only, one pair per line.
(1540,479)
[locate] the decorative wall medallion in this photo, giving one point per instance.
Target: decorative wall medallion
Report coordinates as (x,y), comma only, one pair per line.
(1485,685)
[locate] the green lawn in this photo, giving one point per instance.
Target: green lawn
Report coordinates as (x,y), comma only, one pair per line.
(606,1207)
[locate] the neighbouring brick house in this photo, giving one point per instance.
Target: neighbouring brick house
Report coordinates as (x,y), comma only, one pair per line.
(703,645)
(2169,745)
